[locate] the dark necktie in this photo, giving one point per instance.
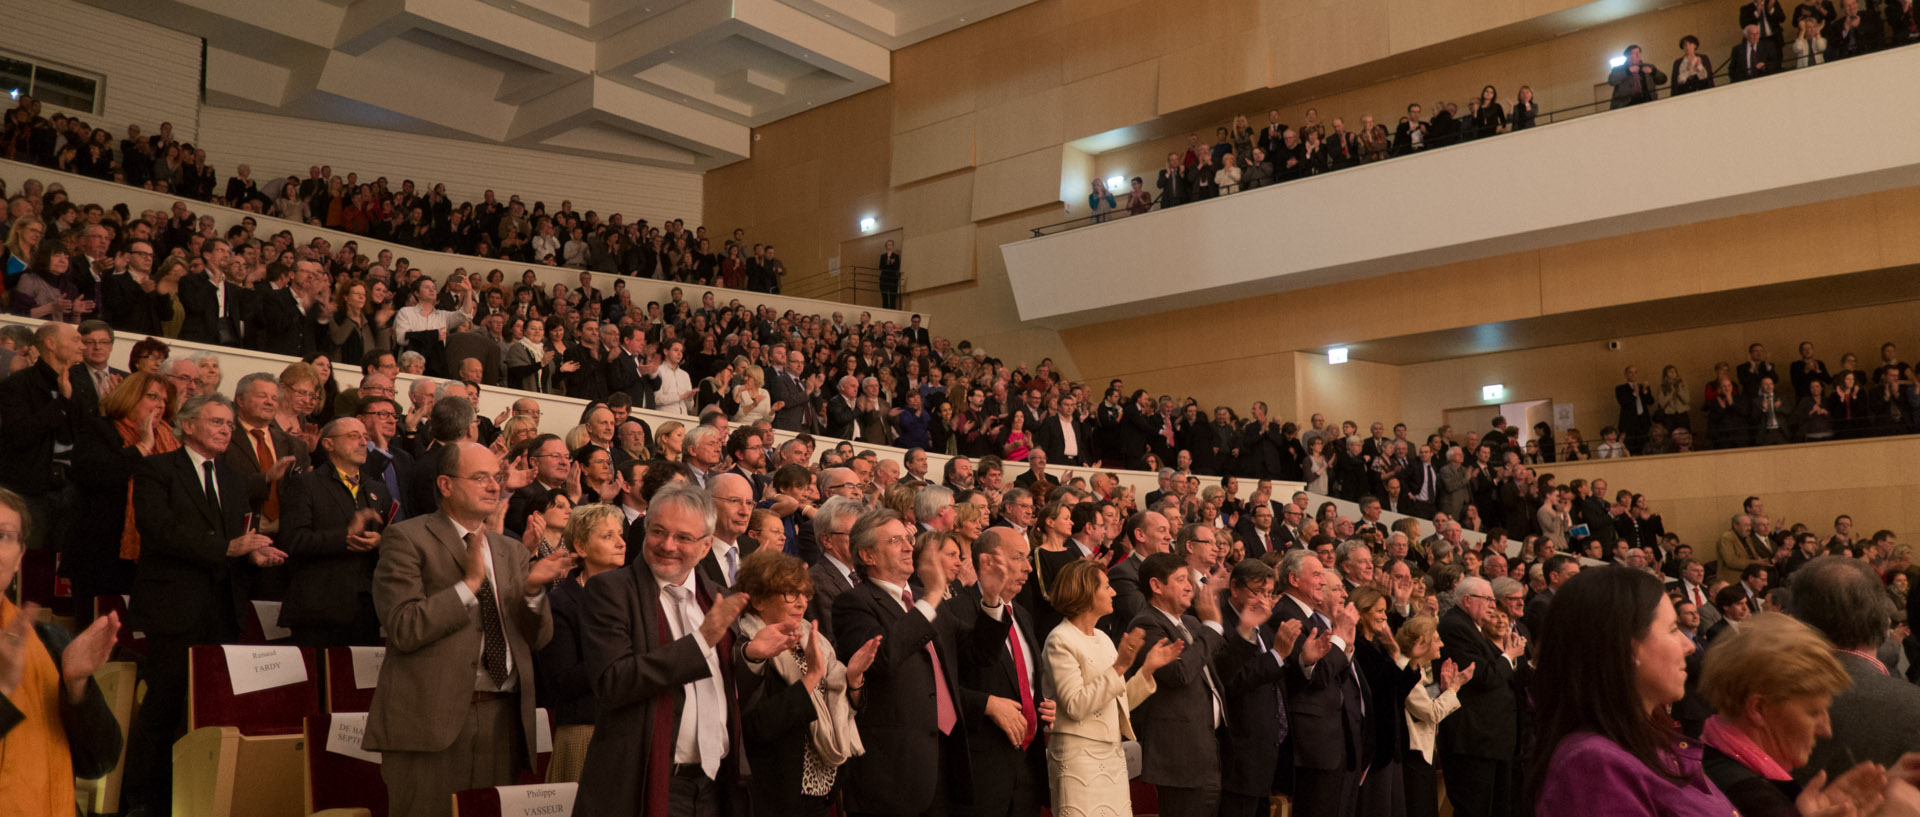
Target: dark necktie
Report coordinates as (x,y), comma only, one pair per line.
(213,497)
(1279,693)
(494,639)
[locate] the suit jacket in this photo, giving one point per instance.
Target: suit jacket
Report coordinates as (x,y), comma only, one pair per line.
(710,566)
(434,639)
(995,760)
(279,327)
(1632,421)
(1766,60)
(1175,725)
(1049,437)
(624,375)
(473,344)
(1254,678)
(1129,598)
(1326,731)
(1488,722)
(1877,719)
(639,678)
(840,418)
(240,455)
(897,719)
(828,584)
(130,308)
(1255,548)
(204,323)
(1455,488)
(186,585)
(326,581)
(781,389)
(34,415)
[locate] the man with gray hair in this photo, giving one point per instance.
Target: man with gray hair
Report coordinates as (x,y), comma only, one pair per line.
(842,416)
(1355,561)
(1479,743)
(1738,547)
(933,508)
(702,447)
(262,453)
(833,574)
(464,343)
(1877,718)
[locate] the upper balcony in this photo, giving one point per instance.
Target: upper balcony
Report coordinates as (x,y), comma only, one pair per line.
(1716,154)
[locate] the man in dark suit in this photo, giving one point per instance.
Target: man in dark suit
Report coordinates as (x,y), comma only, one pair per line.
(388,461)
(330,524)
(914,704)
(1178,724)
(1636,410)
(1556,571)
(464,611)
(1008,756)
(286,320)
(1251,665)
(632,370)
(1421,482)
(660,650)
(216,307)
(1259,538)
(1063,436)
(1479,743)
(842,416)
(466,342)
(1769,414)
(262,454)
(733,499)
(191,585)
(1754,56)
(833,573)
(1145,534)
(1138,426)
(1767,18)
(1325,747)
(130,302)
(1749,373)
(786,390)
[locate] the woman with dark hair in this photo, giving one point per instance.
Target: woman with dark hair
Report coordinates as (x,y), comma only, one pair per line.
(1490,117)
(148,355)
(46,290)
(1612,659)
(1692,70)
(329,389)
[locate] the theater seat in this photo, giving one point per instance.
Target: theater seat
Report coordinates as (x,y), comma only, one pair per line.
(555,799)
(219,772)
(336,782)
(132,642)
(118,682)
(1146,799)
(276,711)
(344,694)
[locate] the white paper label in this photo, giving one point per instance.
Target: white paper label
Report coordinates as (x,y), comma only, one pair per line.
(344,734)
(269,614)
(546,800)
(543,732)
(256,668)
(366,666)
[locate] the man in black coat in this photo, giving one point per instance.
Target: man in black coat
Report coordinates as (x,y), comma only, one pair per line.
(632,370)
(330,526)
(914,704)
(842,416)
(1139,425)
(1754,56)
(41,412)
(215,307)
(1322,759)
(1480,742)
(1251,664)
(130,304)
(786,389)
(1636,410)
(196,559)
(286,320)
(1063,436)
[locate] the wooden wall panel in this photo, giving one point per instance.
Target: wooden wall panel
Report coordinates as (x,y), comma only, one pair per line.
(1019,126)
(1218,68)
(1413,24)
(1357,390)
(942,147)
(1114,99)
(935,206)
(1019,183)
(1115,37)
(1327,38)
(941,259)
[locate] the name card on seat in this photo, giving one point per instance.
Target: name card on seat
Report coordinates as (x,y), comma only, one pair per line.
(256,668)
(344,734)
(543,732)
(546,800)
(269,614)
(366,666)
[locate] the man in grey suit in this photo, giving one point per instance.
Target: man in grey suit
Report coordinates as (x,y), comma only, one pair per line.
(834,573)
(464,342)
(1179,725)
(1878,717)
(1146,533)
(463,610)
(1456,482)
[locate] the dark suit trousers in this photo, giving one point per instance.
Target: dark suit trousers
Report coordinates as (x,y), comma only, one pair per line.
(486,753)
(1478,786)
(1325,793)
(160,721)
(1383,793)
(940,807)
(1181,801)
(1422,786)
(363,632)
(1244,805)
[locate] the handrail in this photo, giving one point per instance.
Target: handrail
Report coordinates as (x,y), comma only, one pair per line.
(1720,77)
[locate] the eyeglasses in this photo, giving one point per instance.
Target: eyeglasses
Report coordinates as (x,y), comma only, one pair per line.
(1480,596)
(481,480)
(732,500)
(384,415)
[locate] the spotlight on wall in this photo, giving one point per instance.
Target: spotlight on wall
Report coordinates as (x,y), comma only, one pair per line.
(1337,355)
(1493,392)
(1116,183)
(1616,62)
(868,224)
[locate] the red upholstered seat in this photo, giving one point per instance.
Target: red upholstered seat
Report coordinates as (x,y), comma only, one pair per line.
(476,803)
(276,711)
(1146,799)
(343,695)
(339,781)
(127,640)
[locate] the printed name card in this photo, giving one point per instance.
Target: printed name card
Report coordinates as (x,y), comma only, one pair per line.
(269,614)
(366,666)
(256,668)
(546,800)
(344,734)
(543,732)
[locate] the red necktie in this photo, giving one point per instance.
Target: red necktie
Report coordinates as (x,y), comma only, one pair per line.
(942,699)
(264,456)
(1026,689)
(1696,596)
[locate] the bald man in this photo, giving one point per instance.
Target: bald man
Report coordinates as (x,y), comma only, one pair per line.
(733,511)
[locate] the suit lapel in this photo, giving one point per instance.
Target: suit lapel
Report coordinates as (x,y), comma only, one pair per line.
(208,509)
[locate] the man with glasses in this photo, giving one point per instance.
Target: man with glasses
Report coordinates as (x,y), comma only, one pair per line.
(733,505)
(464,610)
(131,304)
(1479,743)
(96,346)
(547,454)
(387,461)
(330,526)
(1016,511)
(833,573)
(215,303)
